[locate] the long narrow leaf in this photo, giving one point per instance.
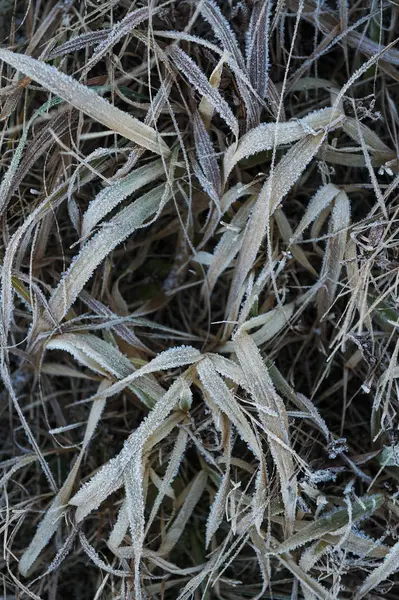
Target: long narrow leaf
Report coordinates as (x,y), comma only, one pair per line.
(87,100)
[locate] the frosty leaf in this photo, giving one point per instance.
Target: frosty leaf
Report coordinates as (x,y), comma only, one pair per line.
(272,414)
(228,247)
(267,135)
(53,516)
(79,42)
(229,369)
(271,195)
(269,323)
(359,544)
(211,12)
(286,559)
(381,573)
(105,359)
(206,156)
(335,251)
(258,47)
(389,457)
(118,324)
(118,191)
(270,269)
(196,77)
(94,556)
(331,523)
(94,353)
(171,471)
(323,198)
(119,30)
(87,100)
(219,504)
(312,554)
(195,582)
(120,528)
(197,487)
(316,590)
(109,478)
(169,359)
(205,107)
(98,247)
(134,488)
(224,399)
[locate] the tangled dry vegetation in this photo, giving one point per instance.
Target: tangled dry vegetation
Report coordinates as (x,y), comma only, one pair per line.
(199,299)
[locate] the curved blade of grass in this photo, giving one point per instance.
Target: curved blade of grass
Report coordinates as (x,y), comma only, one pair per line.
(205,107)
(206,158)
(118,191)
(331,523)
(108,479)
(53,516)
(218,507)
(196,77)
(266,397)
(79,42)
(267,135)
(170,473)
(269,323)
(323,198)
(381,573)
(119,529)
(228,247)
(86,100)
(288,170)
(224,399)
(112,233)
(196,489)
(212,13)
(258,47)
(334,254)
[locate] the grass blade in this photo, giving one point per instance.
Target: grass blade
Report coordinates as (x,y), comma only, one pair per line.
(53,517)
(98,247)
(272,414)
(381,573)
(270,197)
(335,252)
(87,100)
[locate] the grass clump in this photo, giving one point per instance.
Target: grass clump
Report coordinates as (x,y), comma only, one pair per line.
(199,300)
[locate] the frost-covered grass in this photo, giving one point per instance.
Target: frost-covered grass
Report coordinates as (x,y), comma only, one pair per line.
(199,300)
